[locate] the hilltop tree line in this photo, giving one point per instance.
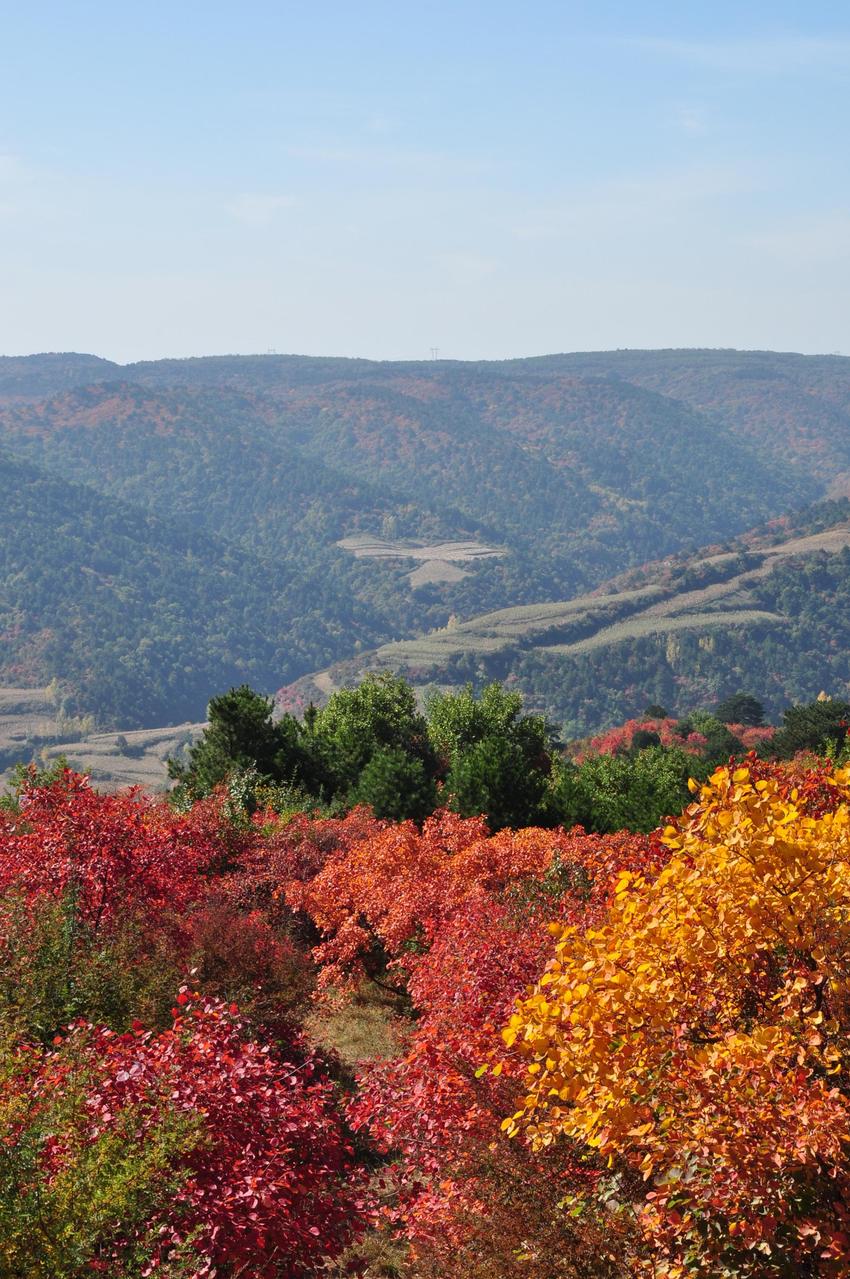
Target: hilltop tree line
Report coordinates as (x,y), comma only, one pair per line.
(479,754)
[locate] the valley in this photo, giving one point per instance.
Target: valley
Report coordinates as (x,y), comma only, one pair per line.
(32,728)
(175,527)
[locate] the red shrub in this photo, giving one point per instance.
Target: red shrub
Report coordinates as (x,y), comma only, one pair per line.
(294,851)
(270,1184)
(109,851)
(620,738)
(240,956)
(439,1108)
(397,887)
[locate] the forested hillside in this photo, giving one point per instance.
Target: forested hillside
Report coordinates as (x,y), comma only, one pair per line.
(769,611)
(794,407)
(177,525)
(136,613)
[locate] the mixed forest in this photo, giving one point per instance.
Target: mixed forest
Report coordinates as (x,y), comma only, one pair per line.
(493,919)
(178,527)
(362,997)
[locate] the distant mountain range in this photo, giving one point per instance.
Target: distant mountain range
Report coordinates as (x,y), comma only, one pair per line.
(172,527)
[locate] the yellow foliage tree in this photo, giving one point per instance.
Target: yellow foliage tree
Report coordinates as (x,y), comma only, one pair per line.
(699,1037)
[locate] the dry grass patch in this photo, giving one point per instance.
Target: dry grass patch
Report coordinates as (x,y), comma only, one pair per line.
(361,1028)
(833,539)
(325,683)
(435,571)
(377,1256)
(25,701)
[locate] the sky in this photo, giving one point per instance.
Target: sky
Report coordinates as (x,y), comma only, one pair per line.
(386,179)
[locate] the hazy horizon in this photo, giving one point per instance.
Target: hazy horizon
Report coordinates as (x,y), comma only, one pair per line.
(429,359)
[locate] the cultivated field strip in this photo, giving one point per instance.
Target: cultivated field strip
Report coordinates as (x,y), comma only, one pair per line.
(526,618)
(26,715)
(29,727)
(362,546)
(642,626)
(439,647)
(651,609)
(832,540)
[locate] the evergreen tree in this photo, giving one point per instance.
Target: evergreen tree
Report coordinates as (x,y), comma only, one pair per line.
(242,735)
(720,742)
(818,726)
(496,760)
(493,777)
(741,708)
(357,723)
(395,785)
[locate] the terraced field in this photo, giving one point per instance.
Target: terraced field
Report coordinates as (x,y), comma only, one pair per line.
(437,562)
(638,628)
(362,546)
(27,715)
(503,630)
(560,633)
(31,728)
(141,762)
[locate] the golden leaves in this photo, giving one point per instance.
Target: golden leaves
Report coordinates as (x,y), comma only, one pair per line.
(703,1024)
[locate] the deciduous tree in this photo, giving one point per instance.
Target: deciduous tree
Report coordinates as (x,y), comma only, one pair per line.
(698,1036)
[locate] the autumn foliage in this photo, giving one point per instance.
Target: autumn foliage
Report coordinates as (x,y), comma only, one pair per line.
(247,1146)
(697,1037)
(455,918)
(669,733)
(463,1190)
(216,1149)
(611,1056)
(112,852)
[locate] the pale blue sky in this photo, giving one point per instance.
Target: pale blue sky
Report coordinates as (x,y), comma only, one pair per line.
(378,178)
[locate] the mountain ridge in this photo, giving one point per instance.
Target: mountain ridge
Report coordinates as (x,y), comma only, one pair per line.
(573,471)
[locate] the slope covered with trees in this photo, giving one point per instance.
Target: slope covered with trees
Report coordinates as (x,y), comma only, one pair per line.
(136,613)
(794,407)
(767,611)
(566,470)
